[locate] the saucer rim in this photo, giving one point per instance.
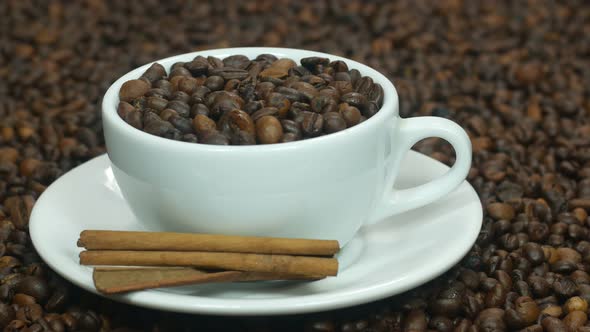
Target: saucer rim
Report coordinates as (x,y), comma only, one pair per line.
(168,301)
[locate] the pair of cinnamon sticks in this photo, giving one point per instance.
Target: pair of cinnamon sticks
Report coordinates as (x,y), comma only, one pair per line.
(163,259)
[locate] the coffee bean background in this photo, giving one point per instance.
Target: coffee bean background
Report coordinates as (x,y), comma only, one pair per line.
(514,74)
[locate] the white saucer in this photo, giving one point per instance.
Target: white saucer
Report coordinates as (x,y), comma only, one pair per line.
(382,260)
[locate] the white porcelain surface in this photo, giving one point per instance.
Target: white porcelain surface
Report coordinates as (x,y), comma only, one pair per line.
(325,187)
(382,260)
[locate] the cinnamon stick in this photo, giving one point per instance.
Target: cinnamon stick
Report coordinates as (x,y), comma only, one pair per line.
(121,280)
(166,241)
(297,265)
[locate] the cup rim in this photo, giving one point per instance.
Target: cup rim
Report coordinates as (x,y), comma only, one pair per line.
(111,100)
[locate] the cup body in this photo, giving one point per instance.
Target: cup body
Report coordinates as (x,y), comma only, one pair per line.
(322,188)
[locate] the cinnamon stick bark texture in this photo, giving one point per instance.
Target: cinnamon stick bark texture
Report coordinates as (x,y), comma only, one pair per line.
(298,265)
(166,241)
(121,280)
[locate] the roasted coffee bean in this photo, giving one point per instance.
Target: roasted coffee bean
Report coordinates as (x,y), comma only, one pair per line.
(268,130)
(167,114)
(215,83)
(180,96)
(213,137)
(234,122)
(351,114)
(565,288)
(134,118)
(236,61)
(333,122)
(203,124)
(323,104)
(311,123)
(182,108)
(133,89)
(229,73)
(197,109)
(35,287)
(273,111)
(154,73)
(181,123)
(280,102)
(253,106)
(157,103)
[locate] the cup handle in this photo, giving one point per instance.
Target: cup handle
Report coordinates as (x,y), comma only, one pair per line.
(411,131)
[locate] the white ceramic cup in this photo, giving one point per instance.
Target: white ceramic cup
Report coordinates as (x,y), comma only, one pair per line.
(323,188)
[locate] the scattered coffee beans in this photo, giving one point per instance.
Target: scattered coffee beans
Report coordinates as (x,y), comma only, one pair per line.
(514,74)
(238,101)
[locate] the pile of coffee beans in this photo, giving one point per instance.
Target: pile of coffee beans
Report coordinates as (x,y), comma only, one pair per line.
(514,74)
(240,101)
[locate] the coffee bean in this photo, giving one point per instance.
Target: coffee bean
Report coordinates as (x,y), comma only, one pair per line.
(236,61)
(181,123)
(215,83)
(280,102)
(181,97)
(35,287)
(133,89)
(157,103)
(229,73)
(355,99)
(235,122)
(181,108)
(268,130)
(311,123)
(552,324)
(333,122)
(213,137)
(203,124)
(565,288)
(500,211)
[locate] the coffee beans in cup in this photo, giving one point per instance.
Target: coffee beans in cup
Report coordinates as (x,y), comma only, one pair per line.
(239,101)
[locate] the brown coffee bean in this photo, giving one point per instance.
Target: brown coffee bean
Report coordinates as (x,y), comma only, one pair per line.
(215,83)
(180,96)
(575,319)
(362,85)
(529,73)
(272,111)
(351,114)
(203,124)
(123,109)
(7,314)
(565,288)
(157,103)
(133,89)
(182,108)
(236,61)
(229,73)
(278,69)
(311,123)
(576,303)
(552,324)
(280,102)
(534,253)
(268,130)
(333,122)
(500,211)
(184,125)
(234,122)
(491,319)
(154,73)
(289,137)
(323,104)
(213,137)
